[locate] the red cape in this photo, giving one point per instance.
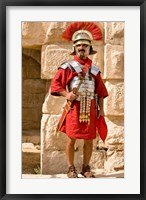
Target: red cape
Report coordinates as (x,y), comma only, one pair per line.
(101,127)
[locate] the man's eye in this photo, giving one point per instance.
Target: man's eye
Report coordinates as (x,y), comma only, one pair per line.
(85,45)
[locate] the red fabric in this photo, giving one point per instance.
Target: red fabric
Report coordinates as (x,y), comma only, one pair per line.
(101,127)
(87,62)
(72,127)
(89,26)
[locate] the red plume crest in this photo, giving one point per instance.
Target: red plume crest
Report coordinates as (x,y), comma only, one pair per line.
(89,26)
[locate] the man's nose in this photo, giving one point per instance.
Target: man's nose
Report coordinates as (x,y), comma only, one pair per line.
(81,46)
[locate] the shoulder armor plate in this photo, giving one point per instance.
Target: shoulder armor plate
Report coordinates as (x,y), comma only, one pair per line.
(76,66)
(73,65)
(94,69)
(65,65)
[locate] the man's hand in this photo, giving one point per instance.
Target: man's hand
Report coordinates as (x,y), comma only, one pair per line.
(100,113)
(68,95)
(71,96)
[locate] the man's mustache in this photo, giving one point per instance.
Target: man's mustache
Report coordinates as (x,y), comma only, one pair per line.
(82,50)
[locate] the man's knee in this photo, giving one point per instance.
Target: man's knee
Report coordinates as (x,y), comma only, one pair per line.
(88,142)
(71,141)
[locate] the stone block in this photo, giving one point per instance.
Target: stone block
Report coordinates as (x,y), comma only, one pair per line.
(114,62)
(114,33)
(34,162)
(98,58)
(114,161)
(32,100)
(34,34)
(53,162)
(31,114)
(31,136)
(30,68)
(31,118)
(49,137)
(30,124)
(34,54)
(115,129)
(33,86)
(27,145)
(114,103)
(52,57)
(54,32)
(48,84)
(53,104)
(97,160)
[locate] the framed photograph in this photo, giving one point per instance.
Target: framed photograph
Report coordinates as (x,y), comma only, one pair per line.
(24,30)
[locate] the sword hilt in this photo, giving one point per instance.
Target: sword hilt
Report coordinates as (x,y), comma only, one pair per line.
(74,90)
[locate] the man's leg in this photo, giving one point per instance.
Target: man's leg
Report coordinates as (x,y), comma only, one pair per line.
(87,153)
(70,157)
(70,151)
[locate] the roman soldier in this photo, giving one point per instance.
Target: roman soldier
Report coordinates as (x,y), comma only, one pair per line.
(80,82)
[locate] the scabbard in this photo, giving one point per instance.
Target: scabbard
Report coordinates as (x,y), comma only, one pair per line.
(64,114)
(67,108)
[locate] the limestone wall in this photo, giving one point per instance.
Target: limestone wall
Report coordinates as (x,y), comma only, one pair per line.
(46,38)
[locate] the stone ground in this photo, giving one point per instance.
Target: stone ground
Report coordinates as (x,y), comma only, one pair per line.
(98,174)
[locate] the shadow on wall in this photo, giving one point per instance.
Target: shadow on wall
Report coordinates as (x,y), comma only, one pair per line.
(33,95)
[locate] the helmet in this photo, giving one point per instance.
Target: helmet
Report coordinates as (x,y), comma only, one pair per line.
(82,37)
(82,33)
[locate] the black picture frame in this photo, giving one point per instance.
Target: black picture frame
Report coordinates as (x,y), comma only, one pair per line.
(3,182)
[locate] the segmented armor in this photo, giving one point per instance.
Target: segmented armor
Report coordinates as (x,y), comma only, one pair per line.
(86,91)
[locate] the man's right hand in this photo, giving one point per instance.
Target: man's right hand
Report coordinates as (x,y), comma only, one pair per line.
(71,96)
(68,95)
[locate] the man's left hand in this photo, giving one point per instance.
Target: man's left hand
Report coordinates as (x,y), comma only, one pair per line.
(100,113)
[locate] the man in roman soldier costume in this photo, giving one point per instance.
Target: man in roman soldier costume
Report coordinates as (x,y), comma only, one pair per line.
(79,81)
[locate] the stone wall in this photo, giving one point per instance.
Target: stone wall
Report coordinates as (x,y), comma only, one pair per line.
(46,38)
(33,89)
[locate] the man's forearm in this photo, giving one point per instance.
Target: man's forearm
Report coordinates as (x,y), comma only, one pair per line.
(100,103)
(101,111)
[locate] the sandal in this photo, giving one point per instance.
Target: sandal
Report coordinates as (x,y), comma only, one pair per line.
(86,172)
(72,172)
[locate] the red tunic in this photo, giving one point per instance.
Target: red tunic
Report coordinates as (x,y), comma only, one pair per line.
(72,127)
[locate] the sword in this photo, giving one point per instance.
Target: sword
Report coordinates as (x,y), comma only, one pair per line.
(67,107)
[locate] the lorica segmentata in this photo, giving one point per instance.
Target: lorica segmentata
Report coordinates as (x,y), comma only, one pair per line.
(86,88)
(86,91)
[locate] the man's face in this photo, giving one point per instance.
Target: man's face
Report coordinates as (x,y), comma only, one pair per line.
(82,50)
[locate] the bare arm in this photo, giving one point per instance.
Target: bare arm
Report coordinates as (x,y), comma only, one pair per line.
(100,103)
